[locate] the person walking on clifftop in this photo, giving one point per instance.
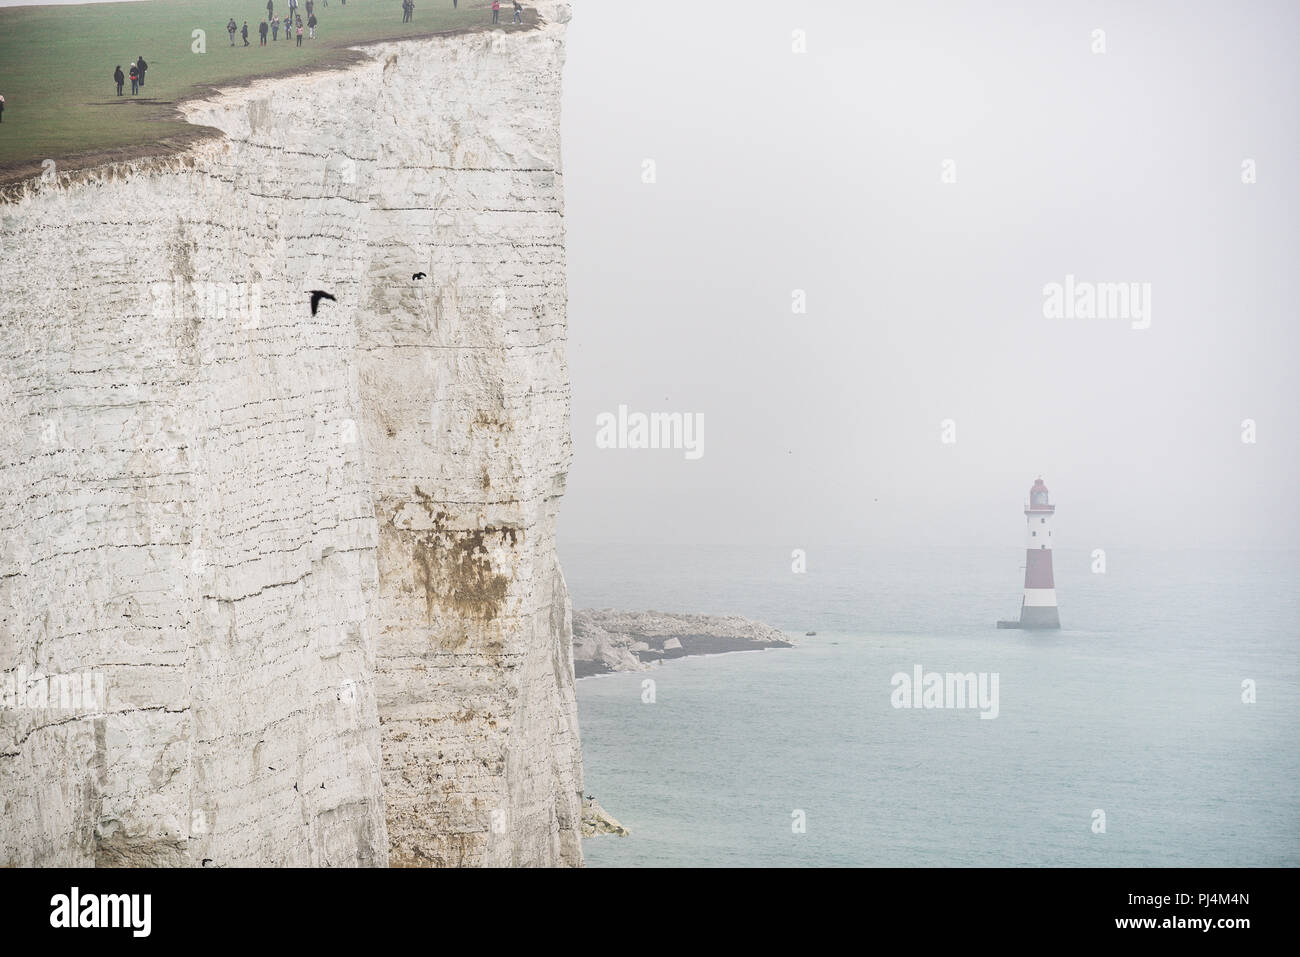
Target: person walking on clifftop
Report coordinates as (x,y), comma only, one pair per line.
(311,26)
(496,11)
(119,78)
(135,80)
(232,27)
(244,33)
(141,67)
(261,33)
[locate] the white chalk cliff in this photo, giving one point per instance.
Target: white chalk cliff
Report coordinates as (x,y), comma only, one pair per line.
(312,558)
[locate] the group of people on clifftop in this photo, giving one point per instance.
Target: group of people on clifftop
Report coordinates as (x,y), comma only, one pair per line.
(292,20)
(137,72)
(292,23)
(496,12)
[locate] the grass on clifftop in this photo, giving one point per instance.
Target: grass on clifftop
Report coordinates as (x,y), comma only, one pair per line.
(57,62)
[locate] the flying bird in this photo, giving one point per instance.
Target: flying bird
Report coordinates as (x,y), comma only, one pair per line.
(316,296)
(419,275)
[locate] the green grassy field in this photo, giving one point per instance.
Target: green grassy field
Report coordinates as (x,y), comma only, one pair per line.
(56,65)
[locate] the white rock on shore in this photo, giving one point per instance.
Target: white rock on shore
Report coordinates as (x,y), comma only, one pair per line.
(606,640)
(596,820)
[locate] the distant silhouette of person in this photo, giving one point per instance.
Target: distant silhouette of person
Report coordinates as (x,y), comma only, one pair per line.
(299,25)
(496,11)
(2,108)
(519,12)
(275,29)
(406,11)
(135,80)
(244,33)
(310,5)
(270,9)
(119,78)
(231,28)
(261,33)
(311,26)
(141,67)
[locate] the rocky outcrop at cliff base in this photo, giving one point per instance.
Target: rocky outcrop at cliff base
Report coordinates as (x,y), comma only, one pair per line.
(606,640)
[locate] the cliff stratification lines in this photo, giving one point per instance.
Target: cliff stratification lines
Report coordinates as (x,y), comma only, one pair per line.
(312,557)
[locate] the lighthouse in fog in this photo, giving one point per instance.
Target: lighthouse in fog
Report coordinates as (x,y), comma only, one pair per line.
(1038,609)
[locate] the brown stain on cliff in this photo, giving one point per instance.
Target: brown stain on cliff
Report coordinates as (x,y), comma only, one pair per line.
(454,568)
(489,420)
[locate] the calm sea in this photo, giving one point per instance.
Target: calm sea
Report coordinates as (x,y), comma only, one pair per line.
(1134,709)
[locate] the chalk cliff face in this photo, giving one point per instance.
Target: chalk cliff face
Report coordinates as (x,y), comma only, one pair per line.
(311,558)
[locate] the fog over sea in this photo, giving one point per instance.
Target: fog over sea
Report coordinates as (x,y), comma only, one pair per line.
(1134,709)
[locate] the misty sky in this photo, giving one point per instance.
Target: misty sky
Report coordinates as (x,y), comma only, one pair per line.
(822,171)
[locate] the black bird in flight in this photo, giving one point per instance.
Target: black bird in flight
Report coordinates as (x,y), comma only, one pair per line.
(316,296)
(419,275)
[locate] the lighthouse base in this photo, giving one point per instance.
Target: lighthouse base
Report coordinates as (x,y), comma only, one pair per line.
(1035,617)
(1039,616)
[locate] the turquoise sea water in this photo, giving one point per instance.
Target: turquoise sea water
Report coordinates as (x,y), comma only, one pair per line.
(1134,708)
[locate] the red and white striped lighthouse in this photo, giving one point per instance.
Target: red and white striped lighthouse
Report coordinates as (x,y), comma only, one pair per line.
(1039,607)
